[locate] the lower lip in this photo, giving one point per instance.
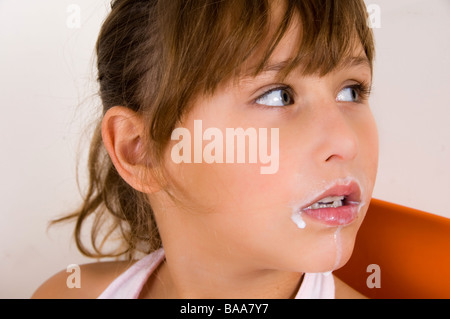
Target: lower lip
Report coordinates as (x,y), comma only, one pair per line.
(339,216)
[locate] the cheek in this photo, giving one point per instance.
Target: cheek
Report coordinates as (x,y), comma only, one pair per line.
(368,131)
(225,187)
(232,186)
(368,154)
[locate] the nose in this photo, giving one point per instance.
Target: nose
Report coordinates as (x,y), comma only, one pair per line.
(336,138)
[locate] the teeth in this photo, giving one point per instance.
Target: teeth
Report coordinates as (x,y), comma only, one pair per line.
(328,202)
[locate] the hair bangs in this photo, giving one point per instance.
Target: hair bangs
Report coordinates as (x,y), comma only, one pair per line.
(332,31)
(329,34)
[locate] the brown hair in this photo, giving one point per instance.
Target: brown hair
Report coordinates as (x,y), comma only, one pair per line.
(155,56)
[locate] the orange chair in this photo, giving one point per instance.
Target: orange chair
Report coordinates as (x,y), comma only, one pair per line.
(411,248)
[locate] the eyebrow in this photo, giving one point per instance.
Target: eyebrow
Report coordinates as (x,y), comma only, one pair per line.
(354,61)
(268,67)
(276,67)
(348,62)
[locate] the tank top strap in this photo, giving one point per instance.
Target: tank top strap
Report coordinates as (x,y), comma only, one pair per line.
(317,286)
(130,283)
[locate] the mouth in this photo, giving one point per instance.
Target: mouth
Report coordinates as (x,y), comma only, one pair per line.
(338,205)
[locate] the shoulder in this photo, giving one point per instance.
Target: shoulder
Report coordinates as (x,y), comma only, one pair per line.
(93,279)
(344,291)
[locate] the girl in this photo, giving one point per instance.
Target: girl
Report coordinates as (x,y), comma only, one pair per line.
(187,86)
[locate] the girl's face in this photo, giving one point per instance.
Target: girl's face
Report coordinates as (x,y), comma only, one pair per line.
(327,146)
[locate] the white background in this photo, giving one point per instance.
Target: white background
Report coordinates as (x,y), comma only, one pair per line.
(48,98)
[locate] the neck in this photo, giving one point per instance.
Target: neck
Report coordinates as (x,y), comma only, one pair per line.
(193,277)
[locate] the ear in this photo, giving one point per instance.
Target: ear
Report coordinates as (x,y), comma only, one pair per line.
(122,133)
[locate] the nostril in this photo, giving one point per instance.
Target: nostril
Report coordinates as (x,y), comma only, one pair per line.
(347,149)
(332,157)
(337,137)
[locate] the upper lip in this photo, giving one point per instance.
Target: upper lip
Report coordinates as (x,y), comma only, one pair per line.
(350,190)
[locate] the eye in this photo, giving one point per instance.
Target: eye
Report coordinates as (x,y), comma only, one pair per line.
(357,93)
(348,94)
(276,97)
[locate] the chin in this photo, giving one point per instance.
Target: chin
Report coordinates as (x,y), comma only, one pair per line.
(337,251)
